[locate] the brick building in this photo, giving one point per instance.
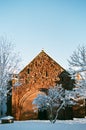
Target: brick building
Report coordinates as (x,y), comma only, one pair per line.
(40,74)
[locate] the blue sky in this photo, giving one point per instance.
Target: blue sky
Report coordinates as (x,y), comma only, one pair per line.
(57,26)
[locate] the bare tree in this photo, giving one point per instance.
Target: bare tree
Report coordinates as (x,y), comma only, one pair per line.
(55,99)
(77,64)
(9,64)
(77,70)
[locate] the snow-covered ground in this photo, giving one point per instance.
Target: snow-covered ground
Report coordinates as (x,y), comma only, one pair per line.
(76,124)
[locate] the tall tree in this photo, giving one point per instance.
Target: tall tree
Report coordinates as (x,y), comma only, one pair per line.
(77,70)
(9,64)
(77,64)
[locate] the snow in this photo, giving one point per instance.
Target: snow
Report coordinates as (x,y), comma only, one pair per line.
(76,124)
(7,117)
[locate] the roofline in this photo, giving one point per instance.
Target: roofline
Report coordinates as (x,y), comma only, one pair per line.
(37,56)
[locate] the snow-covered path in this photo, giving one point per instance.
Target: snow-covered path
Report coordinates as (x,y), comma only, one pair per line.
(45,125)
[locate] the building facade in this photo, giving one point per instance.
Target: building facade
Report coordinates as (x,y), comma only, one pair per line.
(39,75)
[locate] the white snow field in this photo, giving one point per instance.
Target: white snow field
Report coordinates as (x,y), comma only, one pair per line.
(76,124)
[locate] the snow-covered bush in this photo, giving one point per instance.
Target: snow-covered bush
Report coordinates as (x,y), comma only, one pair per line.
(55,99)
